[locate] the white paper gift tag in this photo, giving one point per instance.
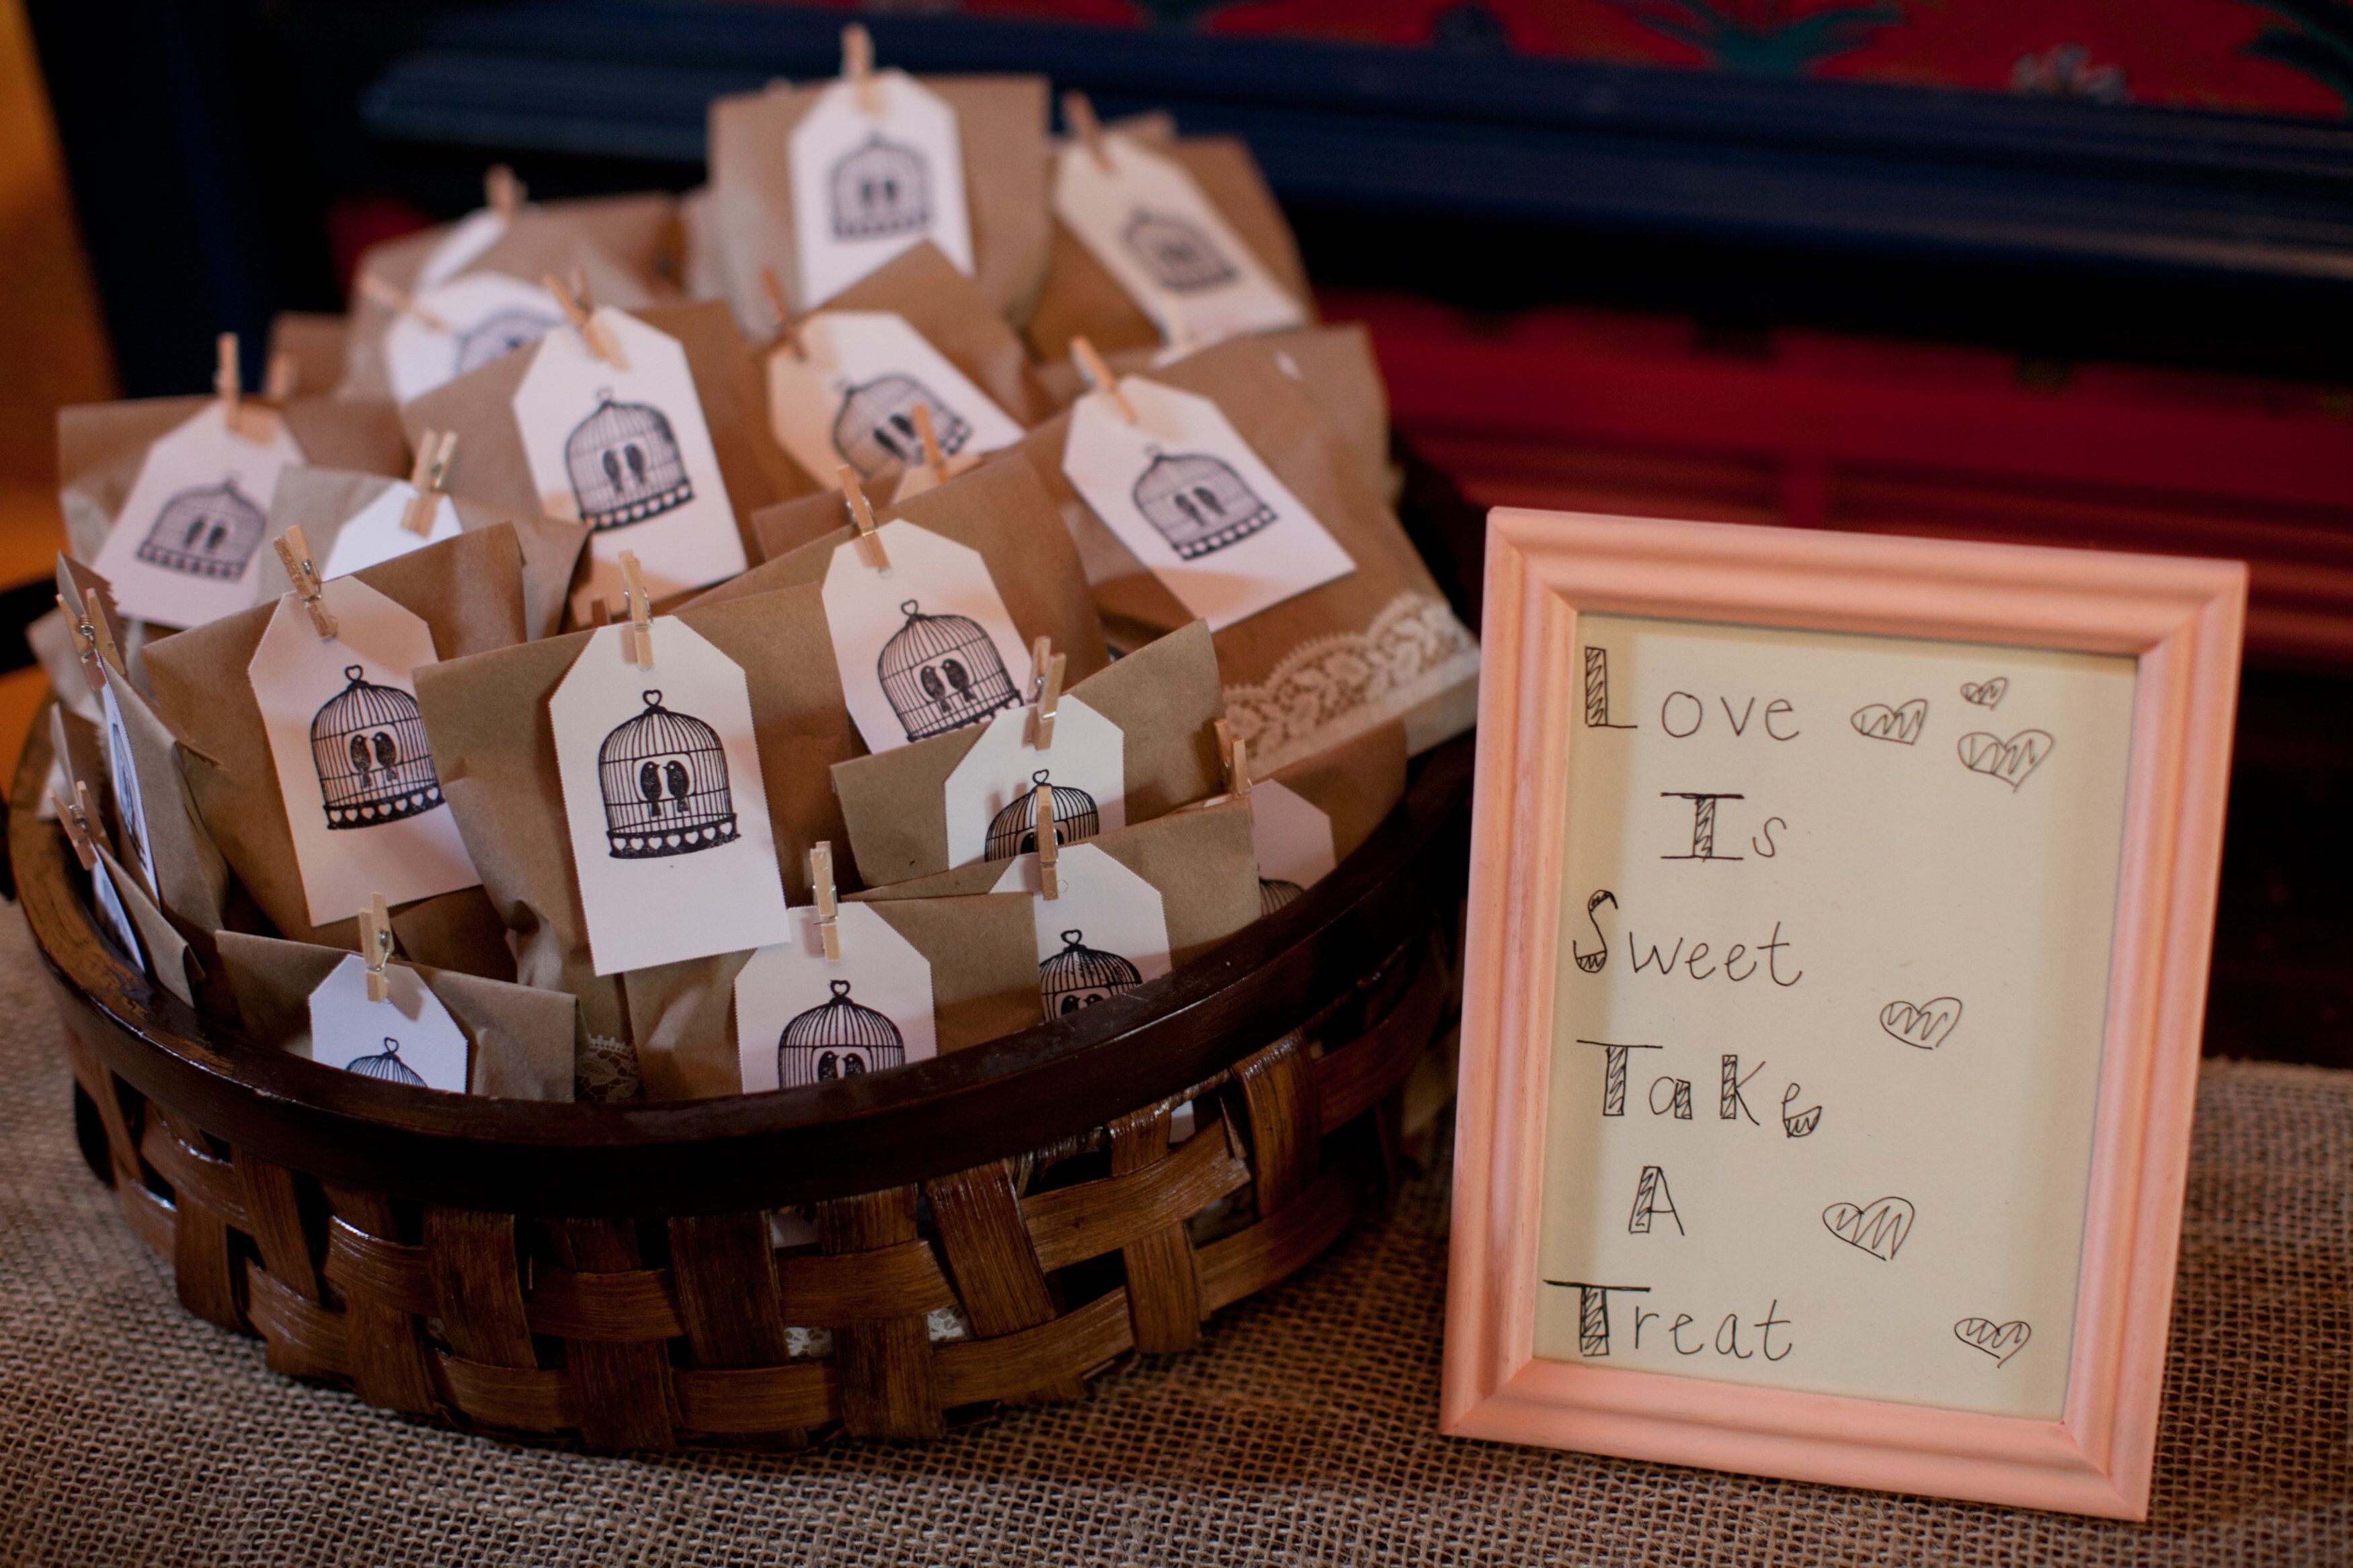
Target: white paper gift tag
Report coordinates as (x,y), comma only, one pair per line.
(1165,243)
(849,397)
(1107,934)
(378,531)
(478,318)
(628,452)
(122,773)
(112,918)
(362,796)
(664,802)
(409,1039)
(802,1020)
(991,794)
(1183,491)
(1293,838)
(867,187)
(460,248)
(925,647)
(181,551)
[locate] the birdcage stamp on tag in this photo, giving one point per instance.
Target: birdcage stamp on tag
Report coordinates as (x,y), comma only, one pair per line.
(924,646)
(181,549)
(845,389)
(990,802)
(1105,934)
(866,186)
(410,1038)
(461,326)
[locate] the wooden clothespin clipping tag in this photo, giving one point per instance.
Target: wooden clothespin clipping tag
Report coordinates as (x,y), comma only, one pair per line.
(400,303)
(934,458)
(1050,846)
(1099,377)
(1233,756)
(294,554)
(828,908)
(1079,115)
(787,333)
(78,817)
(229,381)
(86,625)
(501,192)
(375,947)
(637,636)
(870,539)
(858,69)
(427,477)
(1046,669)
(574,298)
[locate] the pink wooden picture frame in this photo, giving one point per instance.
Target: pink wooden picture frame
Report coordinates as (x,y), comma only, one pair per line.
(2181,620)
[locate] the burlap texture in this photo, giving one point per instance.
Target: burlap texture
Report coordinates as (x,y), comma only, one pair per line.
(1304,1431)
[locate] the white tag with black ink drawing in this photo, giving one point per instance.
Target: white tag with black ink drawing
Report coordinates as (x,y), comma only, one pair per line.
(112,918)
(626,452)
(181,551)
(473,320)
(122,773)
(924,648)
(1106,935)
(867,187)
(378,531)
(362,796)
(664,802)
(1293,838)
(800,1020)
(852,398)
(1183,491)
(409,1039)
(991,795)
(1165,243)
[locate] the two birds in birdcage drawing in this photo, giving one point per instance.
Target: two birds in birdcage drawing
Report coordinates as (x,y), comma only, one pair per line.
(663,779)
(368,744)
(625,463)
(206,531)
(940,673)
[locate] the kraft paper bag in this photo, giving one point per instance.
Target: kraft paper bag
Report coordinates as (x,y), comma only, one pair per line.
(1165,699)
(319,501)
(1000,125)
(101,445)
(52,643)
(520,1040)
(1079,299)
(1322,666)
(702,270)
(485,717)
(469,591)
(80,751)
(984,986)
(315,342)
(953,315)
(1355,784)
(479,406)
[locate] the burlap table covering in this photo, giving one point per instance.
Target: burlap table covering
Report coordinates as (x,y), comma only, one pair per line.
(1301,1433)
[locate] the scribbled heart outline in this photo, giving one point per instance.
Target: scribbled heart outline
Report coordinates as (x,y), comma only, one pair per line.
(1901,723)
(2009,760)
(1985,1335)
(1900,1018)
(1867,1227)
(1986,693)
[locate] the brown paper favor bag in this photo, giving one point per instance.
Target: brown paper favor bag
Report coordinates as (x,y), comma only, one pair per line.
(170,957)
(479,406)
(1163,696)
(1201,862)
(1081,300)
(520,1040)
(487,719)
(1001,123)
(100,446)
(320,500)
(984,986)
(953,315)
(315,342)
(1325,665)
(468,591)
(1355,784)
(79,748)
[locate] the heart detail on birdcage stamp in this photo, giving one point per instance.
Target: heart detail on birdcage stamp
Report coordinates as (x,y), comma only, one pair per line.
(2000,1340)
(2009,760)
(1877,1228)
(1903,724)
(1985,693)
(1926,1024)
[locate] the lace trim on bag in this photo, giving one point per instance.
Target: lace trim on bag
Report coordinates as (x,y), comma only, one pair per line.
(1336,687)
(606,1069)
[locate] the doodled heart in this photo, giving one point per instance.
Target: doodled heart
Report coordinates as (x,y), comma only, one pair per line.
(1877,1228)
(2000,1340)
(1926,1024)
(1985,693)
(2009,760)
(1878,722)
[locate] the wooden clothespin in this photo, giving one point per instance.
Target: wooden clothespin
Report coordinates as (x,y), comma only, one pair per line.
(229,381)
(787,333)
(574,298)
(1079,115)
(1046,669)
(933,458)
(501,192)
(829,910)
(87,626)
(101,630)
(375,947)
(1050,875)
(857,69)
(637,637)
(1233,755)
(78,817)
(294,552)
(400,302)
(870,542)
(427,477)
(1099,376)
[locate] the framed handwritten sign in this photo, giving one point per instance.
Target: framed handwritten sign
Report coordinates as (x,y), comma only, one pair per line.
(1841,908)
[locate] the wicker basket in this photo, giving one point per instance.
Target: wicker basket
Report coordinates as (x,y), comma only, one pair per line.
(609,1273)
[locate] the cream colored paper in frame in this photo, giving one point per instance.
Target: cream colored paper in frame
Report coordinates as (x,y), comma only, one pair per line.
(1830,990)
